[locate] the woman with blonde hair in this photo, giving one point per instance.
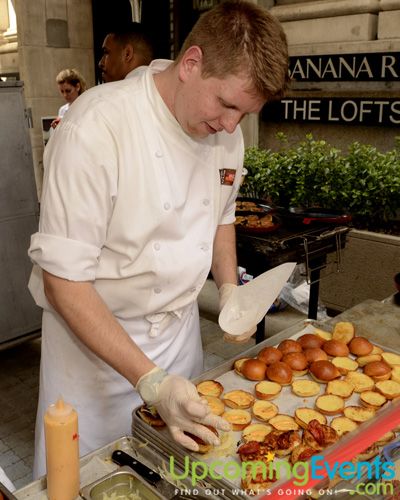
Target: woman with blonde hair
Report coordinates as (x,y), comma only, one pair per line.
(71,84)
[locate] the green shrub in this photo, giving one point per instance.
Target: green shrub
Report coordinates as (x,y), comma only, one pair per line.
(363,181)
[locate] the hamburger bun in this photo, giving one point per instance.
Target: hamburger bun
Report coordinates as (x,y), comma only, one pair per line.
(344,364)
(238,399)
(284,423)
(305,388)
(297,362)
(324,371)
(372,399)
(343,331)
(340,388)
(264,410)
(315,354)
(303,417)
(256,432)
(216,406)
(329,404)
(378,370)
(253,369)
(210,388)
(310,340)
(270,355)
(239,419)
(360,381)
(335,348)
(289,345)
(280,372)
(360,346)
(343,425)
(150,415)
(267,389)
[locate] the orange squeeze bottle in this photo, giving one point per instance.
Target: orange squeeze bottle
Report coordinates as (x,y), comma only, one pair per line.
(62,451)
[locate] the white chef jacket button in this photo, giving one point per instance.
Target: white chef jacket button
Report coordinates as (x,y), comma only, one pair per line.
(167,206)
(156,246)
(157,290)
(206,202)
(159,153)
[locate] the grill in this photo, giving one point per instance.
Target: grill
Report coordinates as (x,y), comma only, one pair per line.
(308,245)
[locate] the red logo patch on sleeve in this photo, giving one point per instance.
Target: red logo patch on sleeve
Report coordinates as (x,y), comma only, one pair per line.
(227,176)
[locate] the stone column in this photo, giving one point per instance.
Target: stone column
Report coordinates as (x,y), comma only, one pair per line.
(52,35)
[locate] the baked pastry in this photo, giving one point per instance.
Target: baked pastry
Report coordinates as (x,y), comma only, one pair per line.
(303,416)
(364,360)
(310,340)
(378,370)
(237,365)
(280,372)
(210,388)
(395,374)
(267,389)
(264,410)
(335,348)
(256,432)
(305,388)
(297,362)
(238,399)
(360,346)
(358,413)
(323,334)
(239,419)
(150,415)
(216,406)
(289,345)
(340,388)
(391,358)
(284,423)
(343,425)
(270,355)
(324,371)
(253,369)
(315,354)
(329,404)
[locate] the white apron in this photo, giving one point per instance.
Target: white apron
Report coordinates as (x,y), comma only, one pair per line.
(166,201)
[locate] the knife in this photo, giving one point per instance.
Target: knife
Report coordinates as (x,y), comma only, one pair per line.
(162,485)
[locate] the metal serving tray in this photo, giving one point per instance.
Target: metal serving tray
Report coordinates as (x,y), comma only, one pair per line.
(98,464)
(224,373)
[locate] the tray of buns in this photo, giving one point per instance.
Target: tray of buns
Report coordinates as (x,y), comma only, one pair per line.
(288,399)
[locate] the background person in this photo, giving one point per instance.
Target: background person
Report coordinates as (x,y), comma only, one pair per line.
(71,84)
(138,204)
(125,48)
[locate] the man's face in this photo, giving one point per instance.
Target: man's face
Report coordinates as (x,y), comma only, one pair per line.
(112,63)
(205,106)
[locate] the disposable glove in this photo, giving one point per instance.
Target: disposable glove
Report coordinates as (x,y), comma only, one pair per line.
(179,405)
(225,291)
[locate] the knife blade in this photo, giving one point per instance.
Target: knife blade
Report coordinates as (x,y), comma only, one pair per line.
(162,485)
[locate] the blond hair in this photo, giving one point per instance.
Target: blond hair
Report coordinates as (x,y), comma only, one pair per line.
(239,37)
(73,77)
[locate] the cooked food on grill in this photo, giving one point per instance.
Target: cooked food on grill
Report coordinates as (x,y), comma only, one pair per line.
(248,206)
(255,221)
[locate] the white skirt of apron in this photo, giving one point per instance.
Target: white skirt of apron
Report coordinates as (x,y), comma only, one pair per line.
(104,399)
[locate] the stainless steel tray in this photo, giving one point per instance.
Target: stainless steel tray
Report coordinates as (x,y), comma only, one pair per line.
(162,440)
(98,464)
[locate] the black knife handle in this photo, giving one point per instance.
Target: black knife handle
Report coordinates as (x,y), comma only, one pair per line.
(122,458)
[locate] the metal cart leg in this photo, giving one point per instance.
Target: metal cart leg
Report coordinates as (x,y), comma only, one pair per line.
(314,293)
(260,332)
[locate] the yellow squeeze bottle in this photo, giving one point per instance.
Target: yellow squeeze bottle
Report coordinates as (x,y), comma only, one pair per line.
(62,451)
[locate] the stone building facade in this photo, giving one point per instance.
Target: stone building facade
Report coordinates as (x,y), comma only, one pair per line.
(360,39)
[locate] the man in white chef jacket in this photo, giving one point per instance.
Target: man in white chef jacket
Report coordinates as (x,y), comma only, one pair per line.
(138,204)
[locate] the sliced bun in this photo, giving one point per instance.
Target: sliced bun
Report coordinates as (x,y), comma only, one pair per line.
(378,370)
(391,358)
(303,416)
(364,360)
(335,348)
(289,345)
(344,364)
(329,404)
(267,389)
(264,410)
(270,355)
(280,372)
(237,365)
(216,406)
(343,331)
(386,438)
(323,334)
(203,446)
(210,388)
(358,413)
(343,425)
(389,388)
(256,432)
(360,346)
(395,374)
(340,388)
(238,399)
(239,419)
(360,381)
(310,340)
(253,369)
(324,371)
(305,388)
(297,362)
(150,415)
(284,423)
(372,399)
(315,354)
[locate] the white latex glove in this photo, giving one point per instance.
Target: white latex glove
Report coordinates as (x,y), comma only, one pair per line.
(225,291)
(179,405)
